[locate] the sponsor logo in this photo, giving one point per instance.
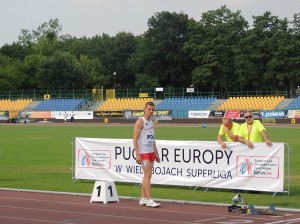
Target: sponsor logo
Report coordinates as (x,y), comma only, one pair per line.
(258,166)
(246,167)
(97,159)
(85,160)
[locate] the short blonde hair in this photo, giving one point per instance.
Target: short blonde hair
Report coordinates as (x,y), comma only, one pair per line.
(150,103)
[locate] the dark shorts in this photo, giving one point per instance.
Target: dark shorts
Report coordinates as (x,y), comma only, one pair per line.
(148,156)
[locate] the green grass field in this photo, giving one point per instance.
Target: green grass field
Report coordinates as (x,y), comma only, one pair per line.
(39,157)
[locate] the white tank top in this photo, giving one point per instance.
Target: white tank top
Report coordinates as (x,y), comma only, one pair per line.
(147,137)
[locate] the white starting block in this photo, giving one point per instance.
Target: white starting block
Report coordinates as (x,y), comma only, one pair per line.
(104,191)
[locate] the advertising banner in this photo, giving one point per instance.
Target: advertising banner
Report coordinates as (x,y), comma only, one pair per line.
(157,115)
(77,114)
(199,113)
(232,114)
(274,113)
(216,114)
(4,115)
(107,113)
(184,163)
(294,114)
(39,114)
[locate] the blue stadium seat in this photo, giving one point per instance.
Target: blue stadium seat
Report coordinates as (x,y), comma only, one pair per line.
(294,105)
(181,106)
(60,105)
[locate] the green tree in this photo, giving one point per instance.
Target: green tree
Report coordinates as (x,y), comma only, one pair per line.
(257,49)
(15,51)
(94,72)
(160,52)
(60,71)
(113,53)
(31,66)
(146,81)
(285,65)
(213,45)
(49,30)
(76,46)
(10,76)
(123,46)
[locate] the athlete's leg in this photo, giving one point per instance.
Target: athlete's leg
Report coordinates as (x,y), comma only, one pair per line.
(146,184)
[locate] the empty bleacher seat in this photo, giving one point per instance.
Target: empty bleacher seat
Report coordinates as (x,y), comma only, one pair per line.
(119,104)
(14,106)
(181,106)
(294,105)
(60,105)
(251,103)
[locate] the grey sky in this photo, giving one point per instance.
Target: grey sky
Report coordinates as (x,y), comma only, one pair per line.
(91,17)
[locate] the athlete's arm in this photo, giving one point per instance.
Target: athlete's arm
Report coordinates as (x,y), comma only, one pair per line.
(136,133)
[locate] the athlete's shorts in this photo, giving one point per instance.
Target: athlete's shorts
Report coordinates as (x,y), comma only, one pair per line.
(148,156)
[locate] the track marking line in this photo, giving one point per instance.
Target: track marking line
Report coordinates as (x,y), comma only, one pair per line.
(35,220)
(209,220)
(98,214)
(287,221)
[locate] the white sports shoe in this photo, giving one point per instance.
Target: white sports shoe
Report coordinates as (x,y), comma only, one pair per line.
(152,204)
(143,201)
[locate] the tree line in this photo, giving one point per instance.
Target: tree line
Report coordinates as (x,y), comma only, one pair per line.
(221,52)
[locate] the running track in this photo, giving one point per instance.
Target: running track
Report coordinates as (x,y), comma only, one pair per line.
(26,207)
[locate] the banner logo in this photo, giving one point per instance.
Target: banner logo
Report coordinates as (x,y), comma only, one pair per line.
(85,160)
(246,167)
(97,159)
(258,166)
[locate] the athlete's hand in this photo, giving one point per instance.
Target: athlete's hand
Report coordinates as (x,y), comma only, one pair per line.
(157,159)
(138,159)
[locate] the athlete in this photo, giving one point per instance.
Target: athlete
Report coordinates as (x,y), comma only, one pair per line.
(146,152)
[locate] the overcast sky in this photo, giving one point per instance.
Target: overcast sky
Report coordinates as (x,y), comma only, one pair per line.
(91,17)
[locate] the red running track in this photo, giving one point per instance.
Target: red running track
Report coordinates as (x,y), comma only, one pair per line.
(22,207)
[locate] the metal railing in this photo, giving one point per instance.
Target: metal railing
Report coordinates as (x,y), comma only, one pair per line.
(100,94)
(258,93)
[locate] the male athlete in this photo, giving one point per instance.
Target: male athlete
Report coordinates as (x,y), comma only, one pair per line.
(146,152)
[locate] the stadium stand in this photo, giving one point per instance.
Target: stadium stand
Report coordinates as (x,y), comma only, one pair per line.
(119,104)
(60,105)
(294,105)
(251,103)
(181,106)
(14,107)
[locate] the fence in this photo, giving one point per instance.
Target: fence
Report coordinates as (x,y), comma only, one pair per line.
(90,94)
(100,94)
(258,93)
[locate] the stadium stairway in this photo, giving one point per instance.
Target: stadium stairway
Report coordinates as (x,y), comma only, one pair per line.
(215,104)
(156,102)
(31,105)
(96,105)
(284,103)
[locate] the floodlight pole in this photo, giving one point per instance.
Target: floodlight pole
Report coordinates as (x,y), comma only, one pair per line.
(114,79)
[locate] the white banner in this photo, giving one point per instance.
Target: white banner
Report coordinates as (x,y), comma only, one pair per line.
(199,113)
(185,163)
(294,114)
(77,114)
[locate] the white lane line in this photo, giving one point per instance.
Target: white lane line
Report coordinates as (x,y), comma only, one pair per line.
(209,220)
(112,205)
(34,220)
(98,214)
(287,221)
